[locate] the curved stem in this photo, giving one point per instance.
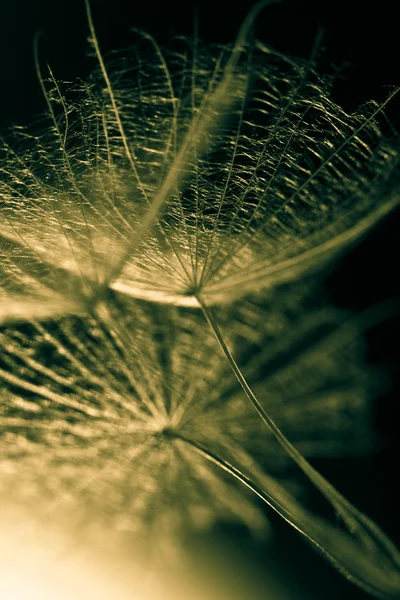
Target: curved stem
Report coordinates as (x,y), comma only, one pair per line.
(374,545)
(334,545)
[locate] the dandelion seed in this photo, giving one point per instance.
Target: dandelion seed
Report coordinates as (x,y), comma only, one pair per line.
(122,422)
(287,180)
(99,404)
(90,415)
(259,176)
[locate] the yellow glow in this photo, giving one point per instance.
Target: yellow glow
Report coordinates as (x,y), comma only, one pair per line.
(20,583)
(35,574)
(42,565)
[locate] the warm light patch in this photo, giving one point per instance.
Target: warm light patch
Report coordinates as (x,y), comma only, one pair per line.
(42,565)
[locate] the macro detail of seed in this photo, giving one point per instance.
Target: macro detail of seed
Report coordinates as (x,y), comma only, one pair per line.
(167,358)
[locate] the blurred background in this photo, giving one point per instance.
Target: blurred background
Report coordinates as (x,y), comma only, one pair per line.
(363,41)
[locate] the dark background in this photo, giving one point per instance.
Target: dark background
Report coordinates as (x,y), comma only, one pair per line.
(366,38)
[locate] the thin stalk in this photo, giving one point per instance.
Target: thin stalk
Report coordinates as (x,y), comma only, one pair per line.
(330,542)
(371,541)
